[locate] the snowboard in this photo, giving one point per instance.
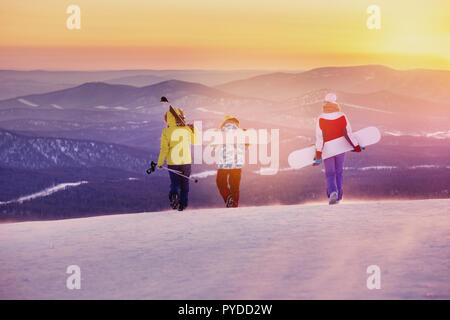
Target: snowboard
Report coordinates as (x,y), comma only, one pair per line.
(305,157)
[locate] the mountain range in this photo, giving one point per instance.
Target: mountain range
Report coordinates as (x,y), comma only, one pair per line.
(431,85)
(24,152)
(15,83)
(101,96)
(96,131)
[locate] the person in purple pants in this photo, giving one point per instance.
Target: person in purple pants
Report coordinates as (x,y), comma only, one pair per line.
(334,168)
(333,124)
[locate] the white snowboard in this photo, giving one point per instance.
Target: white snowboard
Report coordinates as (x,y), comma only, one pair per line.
(305,157)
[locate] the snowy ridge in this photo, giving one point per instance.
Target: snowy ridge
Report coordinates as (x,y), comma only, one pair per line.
(366,108)
(204,174)
(211,111)
(435,135)
(28,103)
(46,192)
(422,166)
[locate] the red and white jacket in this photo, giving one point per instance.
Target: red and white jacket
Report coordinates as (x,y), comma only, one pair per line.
(331,126)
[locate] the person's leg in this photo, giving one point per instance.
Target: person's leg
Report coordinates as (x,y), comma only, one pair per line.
(340,174)
(184,185)
(235,181)
(330,174)
(174,182)
(222,183)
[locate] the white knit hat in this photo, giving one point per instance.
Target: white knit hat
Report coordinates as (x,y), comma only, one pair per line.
(331,97)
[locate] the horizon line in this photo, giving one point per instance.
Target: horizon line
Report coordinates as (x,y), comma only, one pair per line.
(228,70)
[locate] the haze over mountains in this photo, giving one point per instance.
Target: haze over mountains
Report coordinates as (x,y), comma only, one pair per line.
(103,130)
(15,83)
(427,84)
(103,96)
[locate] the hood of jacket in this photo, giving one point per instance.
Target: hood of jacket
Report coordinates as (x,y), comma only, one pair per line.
(230,126)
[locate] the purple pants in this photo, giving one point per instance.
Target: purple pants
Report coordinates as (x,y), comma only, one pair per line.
(334,167)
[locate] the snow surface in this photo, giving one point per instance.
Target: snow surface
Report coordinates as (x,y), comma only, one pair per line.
(275,252)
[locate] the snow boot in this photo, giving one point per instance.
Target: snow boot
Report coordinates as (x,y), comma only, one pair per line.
(230,201)
(174,201)
(180,207)
(333,198)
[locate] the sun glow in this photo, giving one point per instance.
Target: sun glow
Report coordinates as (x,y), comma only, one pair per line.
(223,34)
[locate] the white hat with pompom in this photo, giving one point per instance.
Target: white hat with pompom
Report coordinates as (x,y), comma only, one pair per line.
(331,97)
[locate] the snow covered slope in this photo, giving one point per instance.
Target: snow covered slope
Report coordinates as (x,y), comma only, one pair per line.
(290,252)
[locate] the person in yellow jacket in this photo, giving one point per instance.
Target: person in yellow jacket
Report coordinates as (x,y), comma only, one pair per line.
(176,140)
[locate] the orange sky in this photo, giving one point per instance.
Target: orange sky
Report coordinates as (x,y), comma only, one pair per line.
(223,34)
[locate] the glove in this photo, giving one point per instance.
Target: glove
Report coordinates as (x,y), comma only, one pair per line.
(358,148)
(317,158)
(152,168)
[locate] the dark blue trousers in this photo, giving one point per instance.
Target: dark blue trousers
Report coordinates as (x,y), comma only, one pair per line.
(178,184)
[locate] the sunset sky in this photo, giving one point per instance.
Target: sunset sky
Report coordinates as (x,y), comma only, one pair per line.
(223,34)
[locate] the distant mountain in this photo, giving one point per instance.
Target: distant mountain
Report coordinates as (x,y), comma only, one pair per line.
(176,89)
(206,77)
(14,83)
(10,88)
(384,109)
(138,80)
(86,95)
(17,151)
(426,84)
(139,134)
(101,96)
(379,101)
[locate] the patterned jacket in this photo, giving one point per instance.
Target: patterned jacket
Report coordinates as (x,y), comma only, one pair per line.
(231,156)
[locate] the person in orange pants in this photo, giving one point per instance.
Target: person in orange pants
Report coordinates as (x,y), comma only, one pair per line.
(228,182)
(231,160)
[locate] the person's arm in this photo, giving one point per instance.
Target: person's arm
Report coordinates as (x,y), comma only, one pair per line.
(319,141)
(351,138)
(164,150)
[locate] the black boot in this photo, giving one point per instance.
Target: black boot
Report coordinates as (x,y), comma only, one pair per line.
(173,201)
(230,201)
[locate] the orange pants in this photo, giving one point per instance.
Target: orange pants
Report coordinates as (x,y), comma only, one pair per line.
(228,181)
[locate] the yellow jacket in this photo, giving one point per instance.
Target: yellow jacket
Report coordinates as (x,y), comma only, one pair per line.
(176,142)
